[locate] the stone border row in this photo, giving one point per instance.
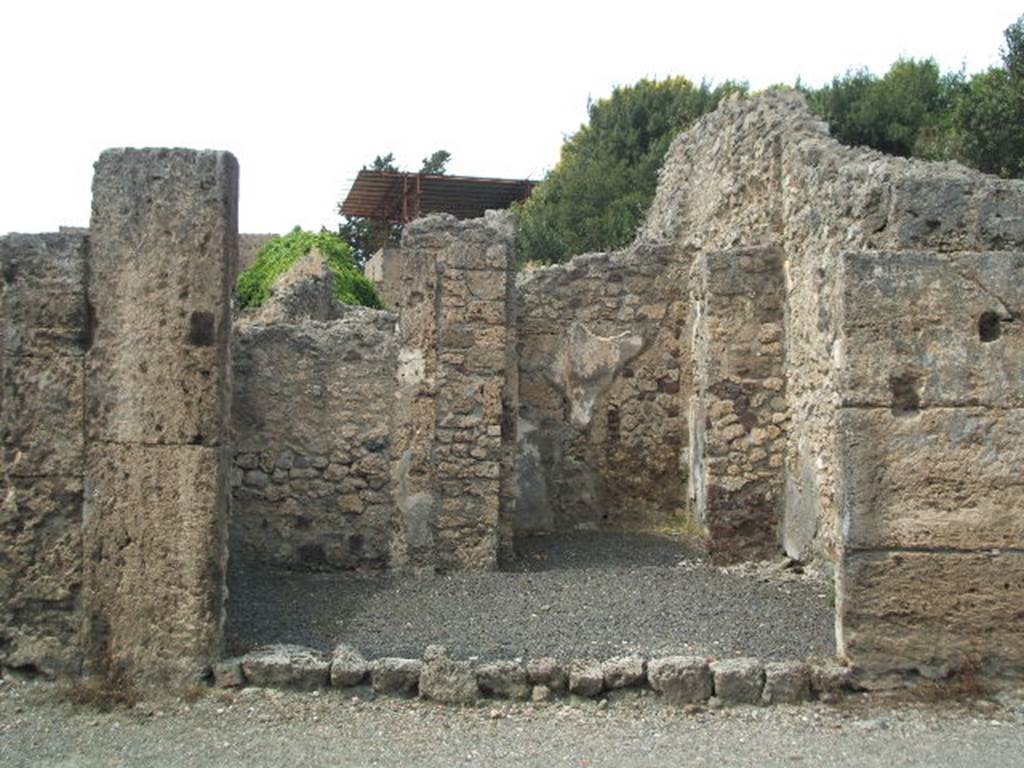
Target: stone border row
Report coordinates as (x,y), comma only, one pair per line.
(437,677)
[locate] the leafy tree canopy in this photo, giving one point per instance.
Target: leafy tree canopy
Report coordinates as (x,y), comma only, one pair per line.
(597,194)
(278,255)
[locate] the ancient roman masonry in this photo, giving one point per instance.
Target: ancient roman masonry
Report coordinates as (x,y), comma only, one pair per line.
(808,348)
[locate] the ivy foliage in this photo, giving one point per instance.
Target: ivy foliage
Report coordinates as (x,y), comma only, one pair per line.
(598,193)
(280,254)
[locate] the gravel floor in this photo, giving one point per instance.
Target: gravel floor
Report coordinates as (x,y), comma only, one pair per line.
(587,594)
(259,728)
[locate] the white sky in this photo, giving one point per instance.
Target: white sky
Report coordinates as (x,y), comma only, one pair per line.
(305,93)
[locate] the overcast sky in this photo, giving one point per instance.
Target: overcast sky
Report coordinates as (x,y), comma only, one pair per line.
(305,93)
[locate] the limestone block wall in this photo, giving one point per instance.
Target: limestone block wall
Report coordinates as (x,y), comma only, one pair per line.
(738,422)
(930,372)
(163,252)
(604,378)
(456,399)
(45,332)
(765,172)
(312,408)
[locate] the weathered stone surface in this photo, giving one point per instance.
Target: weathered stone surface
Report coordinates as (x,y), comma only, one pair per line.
(541,693)
(503,679)
(155,549)
(163,247)
(43,308)
(399,676)
(738,681)
(738,413)
(228,674)
(681,679)
(348,667)
(42,416)
(945,325)
(623,672)
(943,477)
(586,678)
(312,425)
(831,678)
(548,672)
(287,666)
(604,377)
(931,612)
(786,682)
(41,574)
(457,387)
(445,680)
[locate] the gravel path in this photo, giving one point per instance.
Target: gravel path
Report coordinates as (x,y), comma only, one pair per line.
(588,594)
(259,728)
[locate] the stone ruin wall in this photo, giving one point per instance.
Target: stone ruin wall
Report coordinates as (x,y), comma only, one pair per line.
(45,335)
(738,410)
(365,441)
(604,383)
(454,468)
(903,464)
(898,419)
(314,384)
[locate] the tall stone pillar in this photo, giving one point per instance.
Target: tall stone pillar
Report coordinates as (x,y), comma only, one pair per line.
(164,237)
(456,393)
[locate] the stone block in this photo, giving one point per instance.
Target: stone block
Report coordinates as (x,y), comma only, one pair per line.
(163,246)
(681,679)
(396,676)
(623,672)
(921,330)
(830,678)
(155,551)
(445,680)
(548,672)
(40,574)
(586,678)
(287,666)
(931,612)
(348,667)
(738,681)
(228,674)
(42,415)
(44,322)
(503,679)
(54,261)
(786,682)
(944,477)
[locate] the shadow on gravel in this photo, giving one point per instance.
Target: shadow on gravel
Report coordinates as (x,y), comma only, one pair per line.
(596,550)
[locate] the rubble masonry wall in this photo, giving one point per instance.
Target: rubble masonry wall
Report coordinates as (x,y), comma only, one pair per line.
(604,379)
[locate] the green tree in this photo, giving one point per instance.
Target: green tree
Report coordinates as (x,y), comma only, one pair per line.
(435,164)
(597,194)
(907,112)
(989,115)
(368,235)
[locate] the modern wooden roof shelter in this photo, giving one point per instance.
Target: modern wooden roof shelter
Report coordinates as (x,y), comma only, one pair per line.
(401,197)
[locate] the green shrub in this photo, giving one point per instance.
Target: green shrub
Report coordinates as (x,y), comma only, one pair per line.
(280,254)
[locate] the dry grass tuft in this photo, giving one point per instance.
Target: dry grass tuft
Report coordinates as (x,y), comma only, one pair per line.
(101,694)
